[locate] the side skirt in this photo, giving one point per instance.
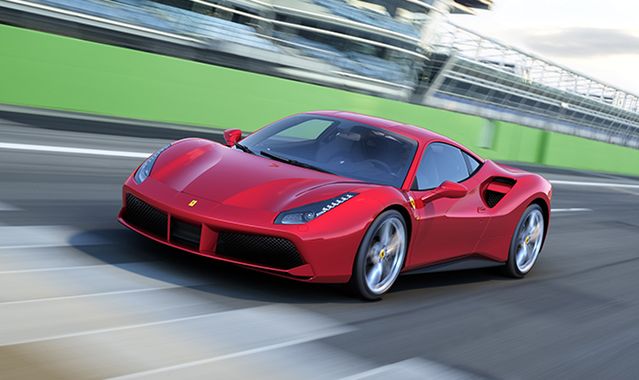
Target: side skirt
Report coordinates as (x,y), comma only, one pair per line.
(469,262)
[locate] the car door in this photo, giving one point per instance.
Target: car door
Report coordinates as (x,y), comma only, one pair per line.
(446,228)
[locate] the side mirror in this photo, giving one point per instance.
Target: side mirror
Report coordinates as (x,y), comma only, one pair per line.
(232,136)
(447,189)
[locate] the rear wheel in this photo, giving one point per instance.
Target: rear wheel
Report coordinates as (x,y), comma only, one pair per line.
(526,243)
(381,256)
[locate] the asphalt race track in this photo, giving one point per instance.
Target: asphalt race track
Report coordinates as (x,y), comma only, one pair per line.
(82,297)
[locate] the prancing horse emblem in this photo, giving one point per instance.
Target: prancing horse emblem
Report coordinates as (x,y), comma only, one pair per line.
(192,203)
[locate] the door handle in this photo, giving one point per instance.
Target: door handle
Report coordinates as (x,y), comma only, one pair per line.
(481,209)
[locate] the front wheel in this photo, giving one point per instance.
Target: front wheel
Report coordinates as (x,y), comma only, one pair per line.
(381,256)
(526,243)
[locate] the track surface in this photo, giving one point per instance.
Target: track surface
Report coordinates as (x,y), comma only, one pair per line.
(82,297)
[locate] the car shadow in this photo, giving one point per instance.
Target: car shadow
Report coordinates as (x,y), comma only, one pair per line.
(140,256)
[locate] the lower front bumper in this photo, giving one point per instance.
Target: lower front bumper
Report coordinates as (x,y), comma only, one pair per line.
(326,248)
(206,240)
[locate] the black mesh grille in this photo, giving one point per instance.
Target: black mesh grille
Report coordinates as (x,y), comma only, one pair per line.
(493,197)
(269,251)
(185,233)
(145,217)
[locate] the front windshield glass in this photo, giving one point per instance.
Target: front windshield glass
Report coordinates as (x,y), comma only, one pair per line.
(338,146)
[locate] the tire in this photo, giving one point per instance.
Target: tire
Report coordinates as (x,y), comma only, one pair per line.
(527,242)
(380,257)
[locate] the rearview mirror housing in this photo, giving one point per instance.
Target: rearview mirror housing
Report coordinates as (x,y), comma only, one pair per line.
(447,189)
(232,136)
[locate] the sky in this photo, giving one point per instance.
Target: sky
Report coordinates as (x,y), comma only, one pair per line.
(597,38)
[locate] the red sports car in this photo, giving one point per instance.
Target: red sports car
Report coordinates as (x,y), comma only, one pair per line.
(339,197)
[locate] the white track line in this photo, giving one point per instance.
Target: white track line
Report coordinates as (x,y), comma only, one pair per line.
(305,339)
(319,333)
(595,184)
(54,269)
(30,246)
(101,294)
(570,209)
(7,207)
(64,149)
(113,329)
(415,368)
(19,237)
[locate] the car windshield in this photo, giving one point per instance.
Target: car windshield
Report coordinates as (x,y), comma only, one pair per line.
(342,147)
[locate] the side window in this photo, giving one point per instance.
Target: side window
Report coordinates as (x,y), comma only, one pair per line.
(441,162)
(472,163)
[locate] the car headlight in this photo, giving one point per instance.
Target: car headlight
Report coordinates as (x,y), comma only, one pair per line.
(144,171)
(305,214)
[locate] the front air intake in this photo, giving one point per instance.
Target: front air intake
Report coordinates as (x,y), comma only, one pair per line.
(185,233)
(270,251)
(145,217)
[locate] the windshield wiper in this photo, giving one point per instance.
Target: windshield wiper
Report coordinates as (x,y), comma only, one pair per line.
(294,162)
(243,148)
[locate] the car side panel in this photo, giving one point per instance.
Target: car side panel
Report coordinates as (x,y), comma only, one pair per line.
(448,228)
(504,216)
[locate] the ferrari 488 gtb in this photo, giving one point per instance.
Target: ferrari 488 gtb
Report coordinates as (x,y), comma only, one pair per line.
(339,197)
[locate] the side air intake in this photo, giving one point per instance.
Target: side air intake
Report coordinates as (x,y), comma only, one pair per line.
(497,189)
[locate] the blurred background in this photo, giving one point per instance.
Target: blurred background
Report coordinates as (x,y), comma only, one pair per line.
(89,88)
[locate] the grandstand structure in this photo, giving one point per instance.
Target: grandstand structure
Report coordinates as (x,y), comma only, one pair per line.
(474,74)
(401,49)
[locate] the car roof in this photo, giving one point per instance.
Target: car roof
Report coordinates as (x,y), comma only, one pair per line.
(422,135)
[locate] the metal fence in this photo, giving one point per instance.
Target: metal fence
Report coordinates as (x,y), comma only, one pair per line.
(483,72)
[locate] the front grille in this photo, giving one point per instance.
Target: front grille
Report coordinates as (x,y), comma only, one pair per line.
(269,251)
(493,197)
(185,233)
(145,217)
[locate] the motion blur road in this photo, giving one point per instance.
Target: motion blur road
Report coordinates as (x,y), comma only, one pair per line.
(82,297)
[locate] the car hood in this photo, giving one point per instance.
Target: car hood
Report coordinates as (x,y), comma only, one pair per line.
(232,177)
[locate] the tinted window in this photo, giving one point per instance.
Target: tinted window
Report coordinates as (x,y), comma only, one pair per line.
(441,162)
(306,130)
(472,163)
(339,146)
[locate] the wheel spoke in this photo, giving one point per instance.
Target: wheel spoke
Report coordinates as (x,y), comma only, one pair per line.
(394,244)
(523,231)
(373,257)
(375,275)
(385,234)
(522,255)
(535,234)
(530,225)
(386,266)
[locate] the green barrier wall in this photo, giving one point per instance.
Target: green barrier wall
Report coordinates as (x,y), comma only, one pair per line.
(50,71)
